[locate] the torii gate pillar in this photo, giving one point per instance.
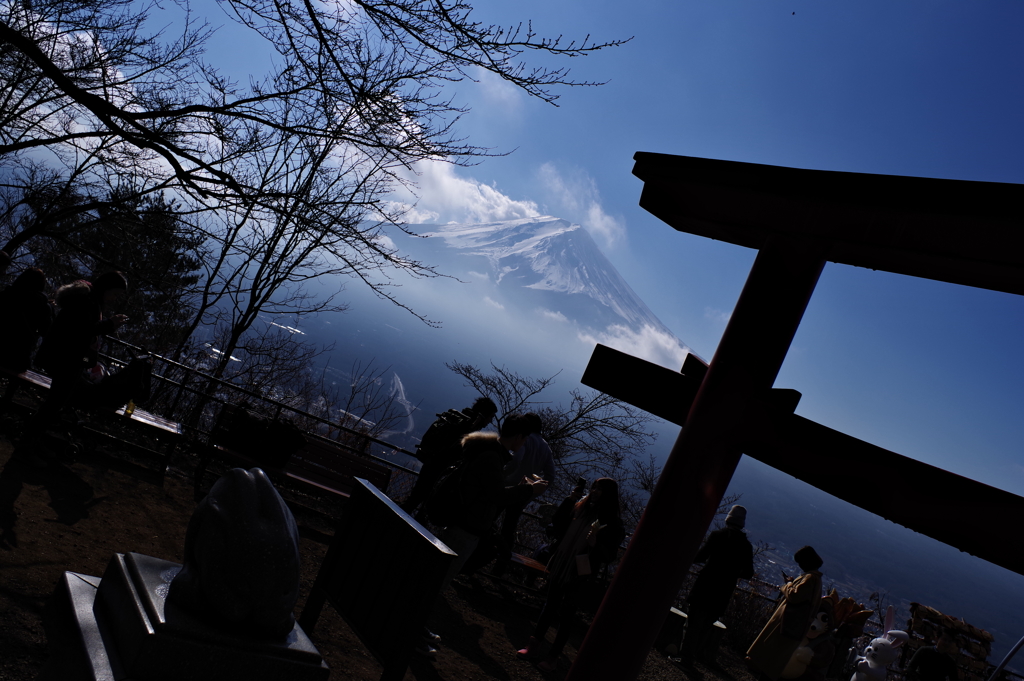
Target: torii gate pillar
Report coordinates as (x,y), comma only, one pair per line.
(701,464)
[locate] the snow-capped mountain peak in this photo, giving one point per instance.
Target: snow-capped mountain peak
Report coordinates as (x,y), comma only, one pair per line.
(554,255)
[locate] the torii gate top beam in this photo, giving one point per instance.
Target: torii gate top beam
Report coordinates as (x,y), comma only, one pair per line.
(958,231)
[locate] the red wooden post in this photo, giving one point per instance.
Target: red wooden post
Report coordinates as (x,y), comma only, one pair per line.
(702,461)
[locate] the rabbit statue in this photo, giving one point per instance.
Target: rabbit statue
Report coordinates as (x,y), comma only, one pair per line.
(880,653)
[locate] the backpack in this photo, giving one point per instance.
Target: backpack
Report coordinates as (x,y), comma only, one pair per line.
(441,443)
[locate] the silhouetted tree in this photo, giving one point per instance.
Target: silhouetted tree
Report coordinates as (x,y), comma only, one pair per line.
(112,100)
(511,391)
(147,240)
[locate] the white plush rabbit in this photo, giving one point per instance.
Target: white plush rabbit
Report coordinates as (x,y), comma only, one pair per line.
(881,652)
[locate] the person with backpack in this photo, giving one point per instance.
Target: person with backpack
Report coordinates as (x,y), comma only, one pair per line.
(441,446)
(468,498)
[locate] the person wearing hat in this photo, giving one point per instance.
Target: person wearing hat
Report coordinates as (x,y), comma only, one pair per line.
(775,644)
(727,556)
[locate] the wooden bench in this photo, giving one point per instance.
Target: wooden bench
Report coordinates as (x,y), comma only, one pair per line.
(382,573)
(327,466)
(318,464)
(167,429)
(15,381)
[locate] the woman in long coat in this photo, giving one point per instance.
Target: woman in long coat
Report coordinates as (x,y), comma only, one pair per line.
(780,637)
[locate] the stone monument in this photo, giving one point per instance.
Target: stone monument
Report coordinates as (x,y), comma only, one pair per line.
(226,613)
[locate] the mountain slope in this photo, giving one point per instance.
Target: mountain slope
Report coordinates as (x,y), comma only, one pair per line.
(550,254)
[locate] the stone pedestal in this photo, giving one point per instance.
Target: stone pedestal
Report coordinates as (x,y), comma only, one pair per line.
(129,631)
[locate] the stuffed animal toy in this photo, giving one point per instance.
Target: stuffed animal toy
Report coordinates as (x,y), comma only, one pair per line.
(814,650)
(880,653)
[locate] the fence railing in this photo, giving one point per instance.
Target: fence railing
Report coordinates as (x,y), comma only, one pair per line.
(192,397)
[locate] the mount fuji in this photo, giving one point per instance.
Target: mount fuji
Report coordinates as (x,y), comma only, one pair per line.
(548,254)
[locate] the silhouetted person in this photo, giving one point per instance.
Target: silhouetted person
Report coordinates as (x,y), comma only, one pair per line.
(515,430)
(482,492)
(591,542)
(69,352)
(441,446)
(532,460)
(934,663)
(780,637)
(26,316)
(727,556)
(556,529)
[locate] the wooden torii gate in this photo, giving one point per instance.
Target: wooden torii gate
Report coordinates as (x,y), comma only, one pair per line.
(969,233)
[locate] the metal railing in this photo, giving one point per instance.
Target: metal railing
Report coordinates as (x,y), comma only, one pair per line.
(183,393)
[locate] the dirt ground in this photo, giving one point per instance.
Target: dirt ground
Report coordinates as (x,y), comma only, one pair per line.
(73,513)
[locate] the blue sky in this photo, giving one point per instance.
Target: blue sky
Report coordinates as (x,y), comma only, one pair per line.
(932,89)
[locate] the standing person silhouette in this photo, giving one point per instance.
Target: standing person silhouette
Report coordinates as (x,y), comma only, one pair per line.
(591,541)
(480,492)
(727,556)
(71,347)
(534,458)
(27,316)
(775,644)
(441,447)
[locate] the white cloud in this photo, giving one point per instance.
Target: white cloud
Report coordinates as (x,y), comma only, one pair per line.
(499,94)
(445,196)
(386,242)
(414,214)
(479,275)
(487,299)
(717,315)
(552,314)
(649,343)
(441,195)
(576,198)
